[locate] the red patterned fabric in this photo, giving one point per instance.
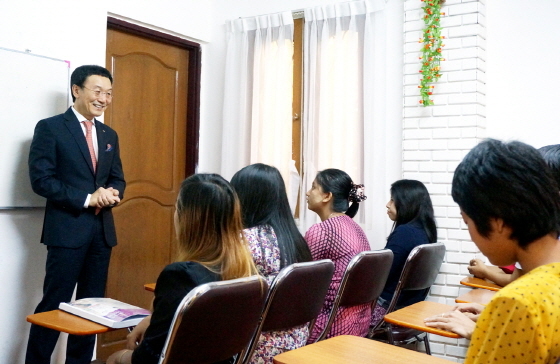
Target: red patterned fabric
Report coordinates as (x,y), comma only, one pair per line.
(339,239)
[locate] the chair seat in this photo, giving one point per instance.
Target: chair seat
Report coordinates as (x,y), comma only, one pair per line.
(400,334)
(419,273)
(362,283)
(224,312)
(295,298)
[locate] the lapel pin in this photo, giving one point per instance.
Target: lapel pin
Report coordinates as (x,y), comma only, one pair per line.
(109,148)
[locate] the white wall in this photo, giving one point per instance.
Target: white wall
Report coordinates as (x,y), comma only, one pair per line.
(523,73)
(64,34)
(436,138)
(192,19)
(21,268)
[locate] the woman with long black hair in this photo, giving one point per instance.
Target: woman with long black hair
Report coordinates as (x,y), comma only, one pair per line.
(274,241)
(410,207)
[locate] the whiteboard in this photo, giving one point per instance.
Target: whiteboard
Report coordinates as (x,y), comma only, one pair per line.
(33,88)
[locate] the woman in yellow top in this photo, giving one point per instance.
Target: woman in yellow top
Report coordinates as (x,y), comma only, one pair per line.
(510,203)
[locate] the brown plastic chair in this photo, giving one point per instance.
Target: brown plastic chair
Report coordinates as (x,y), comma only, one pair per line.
(363,282)
(419,273)
(215,321)
(295,298)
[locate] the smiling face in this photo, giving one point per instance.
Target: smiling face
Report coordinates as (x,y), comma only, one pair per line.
(391,210)
(87,102)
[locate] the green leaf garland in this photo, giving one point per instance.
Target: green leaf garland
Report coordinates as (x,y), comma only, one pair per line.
(431,50)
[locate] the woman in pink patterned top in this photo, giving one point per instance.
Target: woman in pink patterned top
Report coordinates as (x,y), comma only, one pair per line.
(274,241)
(338,238)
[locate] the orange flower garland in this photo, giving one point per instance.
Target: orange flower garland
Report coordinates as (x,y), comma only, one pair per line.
(431,50)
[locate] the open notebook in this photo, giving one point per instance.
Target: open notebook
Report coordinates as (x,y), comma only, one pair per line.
(106,311)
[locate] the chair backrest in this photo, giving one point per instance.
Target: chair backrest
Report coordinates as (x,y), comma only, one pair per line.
(363,282)
(215,321)
(420,270)
(295,298)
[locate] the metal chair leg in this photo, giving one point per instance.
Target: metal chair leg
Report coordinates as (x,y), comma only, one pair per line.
(389,330)
(427,344)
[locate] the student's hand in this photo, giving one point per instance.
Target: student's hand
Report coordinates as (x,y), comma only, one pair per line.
(120,357)
(454,321)
(471,310)
(477,268)
(135,337)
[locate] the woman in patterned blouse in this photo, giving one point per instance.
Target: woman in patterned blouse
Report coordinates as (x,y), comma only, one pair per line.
(274,241)
(338,238)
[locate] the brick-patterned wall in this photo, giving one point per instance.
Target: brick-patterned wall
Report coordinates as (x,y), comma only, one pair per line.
(436,138)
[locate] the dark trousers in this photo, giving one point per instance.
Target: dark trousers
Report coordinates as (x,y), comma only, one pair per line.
(87,266)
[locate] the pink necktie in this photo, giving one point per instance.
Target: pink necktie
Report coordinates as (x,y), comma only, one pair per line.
(89,140)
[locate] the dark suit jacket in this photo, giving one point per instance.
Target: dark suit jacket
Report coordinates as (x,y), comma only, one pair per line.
(61,170)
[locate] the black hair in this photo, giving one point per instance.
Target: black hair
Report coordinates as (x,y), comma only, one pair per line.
(413,204)
(264,201)
(80,75)
(341,186)
(508,181)
(551,155)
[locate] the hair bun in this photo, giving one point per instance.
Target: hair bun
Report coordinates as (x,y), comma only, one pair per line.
(357,193)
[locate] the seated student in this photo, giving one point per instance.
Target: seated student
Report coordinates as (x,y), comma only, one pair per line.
(513,215)
(504,275)
(207,223)
(338,238)
(551,155)
(274,241)
(411,210)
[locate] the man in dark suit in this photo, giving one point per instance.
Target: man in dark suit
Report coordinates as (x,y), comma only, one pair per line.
(74,163)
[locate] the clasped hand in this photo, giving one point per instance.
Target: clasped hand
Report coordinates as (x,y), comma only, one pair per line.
(104,197)
(460,321)
(477,268)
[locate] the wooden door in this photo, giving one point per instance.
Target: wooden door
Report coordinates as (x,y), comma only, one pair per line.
(150,114)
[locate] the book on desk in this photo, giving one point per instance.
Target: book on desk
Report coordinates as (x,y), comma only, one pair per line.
(106,311)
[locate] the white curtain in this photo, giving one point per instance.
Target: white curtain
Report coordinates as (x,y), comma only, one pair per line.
(344,102)
(258,94)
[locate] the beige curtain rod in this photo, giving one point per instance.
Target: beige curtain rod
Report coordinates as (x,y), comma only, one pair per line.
(296,14)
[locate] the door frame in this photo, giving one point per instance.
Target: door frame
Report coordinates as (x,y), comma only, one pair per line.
(193,82)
